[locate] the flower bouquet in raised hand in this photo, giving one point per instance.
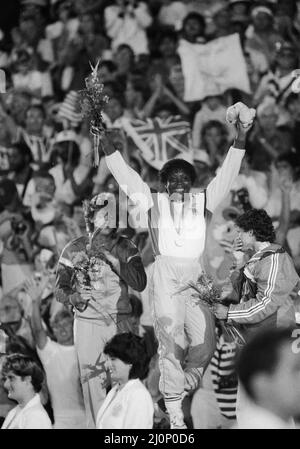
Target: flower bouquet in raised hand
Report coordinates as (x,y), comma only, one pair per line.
(92,102)
(206,293)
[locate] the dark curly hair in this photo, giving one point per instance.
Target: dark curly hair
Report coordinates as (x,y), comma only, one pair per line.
(23,365)
(258,221)
(131,350)
(196,16)
(174,165)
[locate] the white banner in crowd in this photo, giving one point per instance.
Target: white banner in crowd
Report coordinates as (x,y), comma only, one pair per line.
(219,63)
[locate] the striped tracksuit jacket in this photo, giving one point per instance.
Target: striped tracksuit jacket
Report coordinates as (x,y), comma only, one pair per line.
(265,287)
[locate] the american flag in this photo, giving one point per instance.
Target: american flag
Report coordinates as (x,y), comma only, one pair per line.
(69,109)
(161,140)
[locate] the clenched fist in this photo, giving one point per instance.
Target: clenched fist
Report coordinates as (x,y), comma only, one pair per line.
(239,113)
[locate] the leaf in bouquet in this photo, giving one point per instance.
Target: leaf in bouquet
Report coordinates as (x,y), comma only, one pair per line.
(93,101)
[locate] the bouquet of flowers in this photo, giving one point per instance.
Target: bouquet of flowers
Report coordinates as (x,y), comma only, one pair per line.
(88,271)
(207,294)
(92,103)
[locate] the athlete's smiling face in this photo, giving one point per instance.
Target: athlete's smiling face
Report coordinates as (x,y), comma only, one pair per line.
(178,184)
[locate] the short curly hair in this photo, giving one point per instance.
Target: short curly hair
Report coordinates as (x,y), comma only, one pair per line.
(23,365)
(131,349)
(174,165)
(258,221)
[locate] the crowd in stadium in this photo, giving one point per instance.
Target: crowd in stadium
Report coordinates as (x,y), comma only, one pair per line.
(105,320)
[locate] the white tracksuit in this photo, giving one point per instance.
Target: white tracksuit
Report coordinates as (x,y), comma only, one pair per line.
(177,322)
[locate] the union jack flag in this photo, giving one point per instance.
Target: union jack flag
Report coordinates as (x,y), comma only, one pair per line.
(160,140)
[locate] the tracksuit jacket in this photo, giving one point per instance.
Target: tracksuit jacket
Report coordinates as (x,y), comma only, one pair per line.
(266,286)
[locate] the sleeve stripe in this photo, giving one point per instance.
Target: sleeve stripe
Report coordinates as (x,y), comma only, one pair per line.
(267,296)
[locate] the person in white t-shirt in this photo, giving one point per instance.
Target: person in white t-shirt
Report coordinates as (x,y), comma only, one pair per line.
(23,381)
(60,363)
(25,75)
(126,23)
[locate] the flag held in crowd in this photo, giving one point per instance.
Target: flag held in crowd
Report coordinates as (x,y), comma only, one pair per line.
(219,62)
(160,140)
(69,109)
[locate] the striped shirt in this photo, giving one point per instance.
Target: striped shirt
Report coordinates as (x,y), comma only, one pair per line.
(223,377)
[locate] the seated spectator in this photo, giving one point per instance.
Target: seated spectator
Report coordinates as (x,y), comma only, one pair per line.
(285,18)
(176,77)
(135,96)
(16,231)
(267,141)
(292,114)
(64,28)
(261,35)
(19,169)
(126,22)
(31,28)
(5,134)
(286,169)
(277,82)
(163,98)
(268,370)
(87,46)
(214,138)
(107,71)
(201,162)
(255,182)
(17,104)
(96,43)
(167,45)
(53,228)
(14,322)
(193,28)
(212,109)
(34,135)
(36,8)
(124,60)
(239,7)
(114,110)
(23,380)
(132,406)
(25,75)
(89,6)
(221,21)
(72,178)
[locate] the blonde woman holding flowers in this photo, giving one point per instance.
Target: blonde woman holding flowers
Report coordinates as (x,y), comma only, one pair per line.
(93,276)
